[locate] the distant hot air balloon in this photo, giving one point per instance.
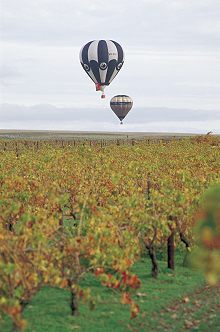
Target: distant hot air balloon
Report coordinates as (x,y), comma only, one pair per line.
(102,60)
(121,105)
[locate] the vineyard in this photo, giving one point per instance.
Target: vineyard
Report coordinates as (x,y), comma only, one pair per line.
(74,211)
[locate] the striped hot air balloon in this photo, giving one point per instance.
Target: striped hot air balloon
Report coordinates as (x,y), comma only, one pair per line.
(102,60)
(121,105)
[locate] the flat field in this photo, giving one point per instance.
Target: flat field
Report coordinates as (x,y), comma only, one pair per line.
(70,135)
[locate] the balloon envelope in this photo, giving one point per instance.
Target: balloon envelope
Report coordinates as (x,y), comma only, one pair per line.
(102,60)
(121,105)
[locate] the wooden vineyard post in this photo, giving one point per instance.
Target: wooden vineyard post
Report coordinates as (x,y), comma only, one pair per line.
(170,251)
(148,189)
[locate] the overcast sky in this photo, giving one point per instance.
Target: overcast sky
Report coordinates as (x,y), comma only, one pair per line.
(171,70)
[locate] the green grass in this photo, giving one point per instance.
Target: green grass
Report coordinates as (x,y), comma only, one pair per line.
(49,310)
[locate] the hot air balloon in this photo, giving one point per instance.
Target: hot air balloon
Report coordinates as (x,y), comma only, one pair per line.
(102,60)
(121,105)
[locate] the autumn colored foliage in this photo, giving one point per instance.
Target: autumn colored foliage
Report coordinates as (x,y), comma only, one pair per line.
(206,256)
(71,210)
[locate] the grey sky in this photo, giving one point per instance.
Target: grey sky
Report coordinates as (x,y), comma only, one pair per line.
(172,60)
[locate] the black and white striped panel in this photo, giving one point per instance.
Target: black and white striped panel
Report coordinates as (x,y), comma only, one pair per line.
(102,60)
(85,62)
(119,64)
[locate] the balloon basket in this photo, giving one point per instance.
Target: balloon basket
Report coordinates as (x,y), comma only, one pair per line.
(102,96)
